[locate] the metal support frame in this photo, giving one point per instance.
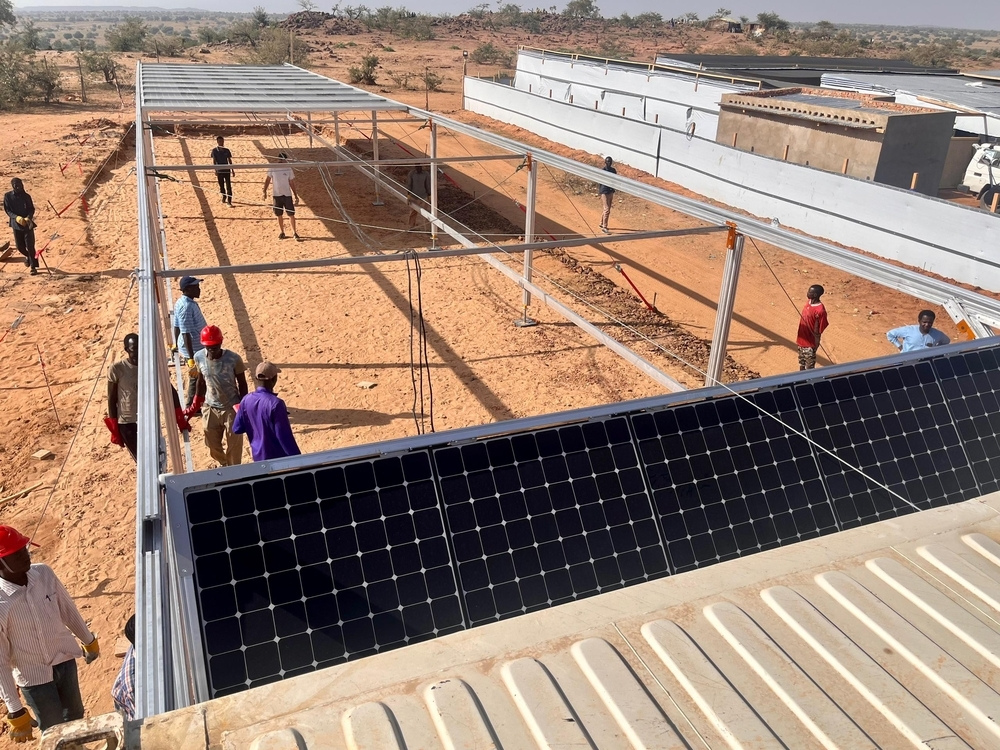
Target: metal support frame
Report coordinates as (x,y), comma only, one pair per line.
(309,120)
(310,163)
(433,150)
(611,343)
(336,139)
(966,323)
(853,262)
(362,260)
(378,170)
(724,312)
(529,237)
(153,678)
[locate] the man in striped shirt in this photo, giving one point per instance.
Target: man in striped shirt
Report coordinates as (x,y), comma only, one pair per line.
(38,652)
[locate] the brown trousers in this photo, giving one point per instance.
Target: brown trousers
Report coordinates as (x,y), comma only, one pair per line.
(219,425)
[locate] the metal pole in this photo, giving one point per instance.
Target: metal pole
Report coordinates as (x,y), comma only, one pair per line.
(433,148)
(153,685)
(724,312)
(336,140)
(309,119)
(473,249)
(378,170)
(529,236)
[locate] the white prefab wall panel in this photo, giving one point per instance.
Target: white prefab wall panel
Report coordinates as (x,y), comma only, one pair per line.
(945,238)
(670,99)
(628,141)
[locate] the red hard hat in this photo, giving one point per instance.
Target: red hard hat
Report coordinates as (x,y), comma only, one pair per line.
(211,335)
(12,540)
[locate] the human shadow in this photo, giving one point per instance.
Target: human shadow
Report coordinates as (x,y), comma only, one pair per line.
(324,419)
(248,337)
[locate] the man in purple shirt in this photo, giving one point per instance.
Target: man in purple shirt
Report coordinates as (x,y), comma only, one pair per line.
(262,416)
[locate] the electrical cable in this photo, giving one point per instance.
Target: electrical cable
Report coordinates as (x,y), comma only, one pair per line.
(76,433)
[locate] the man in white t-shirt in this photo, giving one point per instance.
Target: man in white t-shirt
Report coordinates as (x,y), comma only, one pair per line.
(284,192)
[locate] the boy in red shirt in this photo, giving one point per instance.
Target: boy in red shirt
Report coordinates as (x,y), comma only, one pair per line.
(812,323)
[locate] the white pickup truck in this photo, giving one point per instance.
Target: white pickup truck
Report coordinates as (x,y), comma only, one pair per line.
(982,172)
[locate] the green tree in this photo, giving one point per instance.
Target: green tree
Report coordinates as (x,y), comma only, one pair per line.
(581,9)
(365,72)
(29,35)
(772,22)
(7,13)
(259,17)
(272,48)
(127,36)
(721,13)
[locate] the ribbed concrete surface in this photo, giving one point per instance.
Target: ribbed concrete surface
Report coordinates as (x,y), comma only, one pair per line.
(878,637)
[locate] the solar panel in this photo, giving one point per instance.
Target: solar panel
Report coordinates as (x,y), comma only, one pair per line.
(341,557)
(548,517)
(728,480)
(314,568)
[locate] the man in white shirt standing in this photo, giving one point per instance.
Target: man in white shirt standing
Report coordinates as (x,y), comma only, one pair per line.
(38,652)
(284,192)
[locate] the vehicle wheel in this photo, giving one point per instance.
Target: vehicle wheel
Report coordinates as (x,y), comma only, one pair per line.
(986,198)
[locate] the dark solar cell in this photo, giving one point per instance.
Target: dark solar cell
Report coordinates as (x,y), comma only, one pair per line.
(532,525)
(288,581)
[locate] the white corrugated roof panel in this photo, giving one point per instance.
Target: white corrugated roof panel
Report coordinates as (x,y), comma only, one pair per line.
(248,88)
(881,636)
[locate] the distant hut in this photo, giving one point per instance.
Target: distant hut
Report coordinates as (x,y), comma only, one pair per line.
(728,25)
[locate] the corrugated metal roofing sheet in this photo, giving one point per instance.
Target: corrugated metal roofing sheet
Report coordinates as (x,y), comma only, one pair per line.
(248,88)
(882,636)
(973,94)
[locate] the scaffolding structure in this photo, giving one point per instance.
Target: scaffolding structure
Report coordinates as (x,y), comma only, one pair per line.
(204,95)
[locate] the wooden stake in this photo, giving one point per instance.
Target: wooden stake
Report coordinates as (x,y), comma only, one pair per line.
(913,182)
(20,493)
(844,168)
(784,156)
(996,197)
(83,87)
(735,136)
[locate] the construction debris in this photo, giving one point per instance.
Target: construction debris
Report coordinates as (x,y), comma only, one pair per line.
(43,455)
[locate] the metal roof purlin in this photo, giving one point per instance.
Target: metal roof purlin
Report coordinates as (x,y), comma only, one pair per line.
(173,87)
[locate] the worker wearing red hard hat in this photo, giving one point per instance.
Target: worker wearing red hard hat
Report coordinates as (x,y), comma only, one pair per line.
(38,652)
(222,382)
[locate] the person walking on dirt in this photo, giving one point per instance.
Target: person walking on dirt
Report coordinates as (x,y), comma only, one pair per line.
(220,386)
(222,155)
(21,211)
(418,185)
(812,323)
(38,652)
(607,195)
(284,194)
(919,336)
(123,399)
(263,418)
(188,324)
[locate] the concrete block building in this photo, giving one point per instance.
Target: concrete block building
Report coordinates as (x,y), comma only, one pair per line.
(856,134)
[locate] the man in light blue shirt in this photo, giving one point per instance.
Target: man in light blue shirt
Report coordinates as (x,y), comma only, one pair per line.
(188,324)
(920,336)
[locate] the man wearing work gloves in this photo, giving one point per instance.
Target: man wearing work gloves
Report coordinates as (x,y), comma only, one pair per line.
(222,382)
(19,207)
(38,652)
(123,399)
(188,322)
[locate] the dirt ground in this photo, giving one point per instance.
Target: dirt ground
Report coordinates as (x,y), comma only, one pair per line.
(330,329)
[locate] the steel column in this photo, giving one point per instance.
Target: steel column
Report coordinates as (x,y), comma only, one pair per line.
(336,139)
(529,237)
(433,149)
(724,312)
(378,169)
